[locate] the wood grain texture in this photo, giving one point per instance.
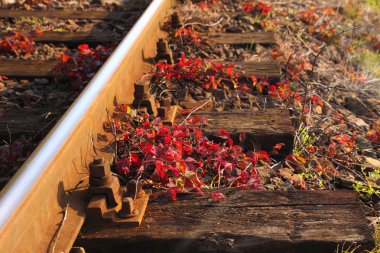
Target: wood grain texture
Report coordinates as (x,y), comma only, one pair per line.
(27,68)
(249,38)
(247,221)
(73,38)
(68,14)
(22,121)
(263,129)
(261,69)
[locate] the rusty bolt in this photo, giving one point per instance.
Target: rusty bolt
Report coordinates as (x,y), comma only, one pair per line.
(163,52)
(162,47)
(134,189)
(99,168)
(127,208)
(176,22)
(141,87)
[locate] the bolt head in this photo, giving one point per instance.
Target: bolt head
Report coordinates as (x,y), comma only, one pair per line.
(141,87)
(163,112)
(100,168)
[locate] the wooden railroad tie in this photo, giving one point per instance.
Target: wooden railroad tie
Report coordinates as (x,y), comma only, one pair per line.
(249,38)
(27,68)
(16,122)
(259,69)
(69,14)
(262,129)
(73,38)
(246,221)
(270,70)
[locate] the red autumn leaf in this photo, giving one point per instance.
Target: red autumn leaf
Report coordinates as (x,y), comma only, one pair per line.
(230,71)
(83,47)
(63,58)
(262,154)
(37,32)
(272,88)
(343,139)
(331,149)
(171,194)
(202,6)
(217,196)
(279,146)
(319,168)
(224,132)
(151,134)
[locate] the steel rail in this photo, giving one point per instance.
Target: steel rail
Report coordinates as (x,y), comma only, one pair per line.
(15,191)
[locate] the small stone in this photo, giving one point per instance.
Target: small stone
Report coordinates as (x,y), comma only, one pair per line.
(207,94)
(376,206)
(296,179)
(41,6)
(286,173)
(230,55)
(58,5)
(363,143)
(30,94)
(219,94)
(239,51)
(220,52)
(251,28)
(276,181)
(263,171)
(357,121)
(248,19)
(370,153)
(2,87)
(57,94)
(24,82)
(286,185)
(318,110)
(259,49)
(203,54)
(373,162)
(358,107)
(41,81)
(270,187)
(86,4)
(11,83)
(198,91)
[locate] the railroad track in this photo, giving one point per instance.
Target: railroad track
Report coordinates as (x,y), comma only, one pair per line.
(50,191)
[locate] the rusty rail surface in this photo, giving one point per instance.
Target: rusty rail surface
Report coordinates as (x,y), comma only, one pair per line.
(37,211)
